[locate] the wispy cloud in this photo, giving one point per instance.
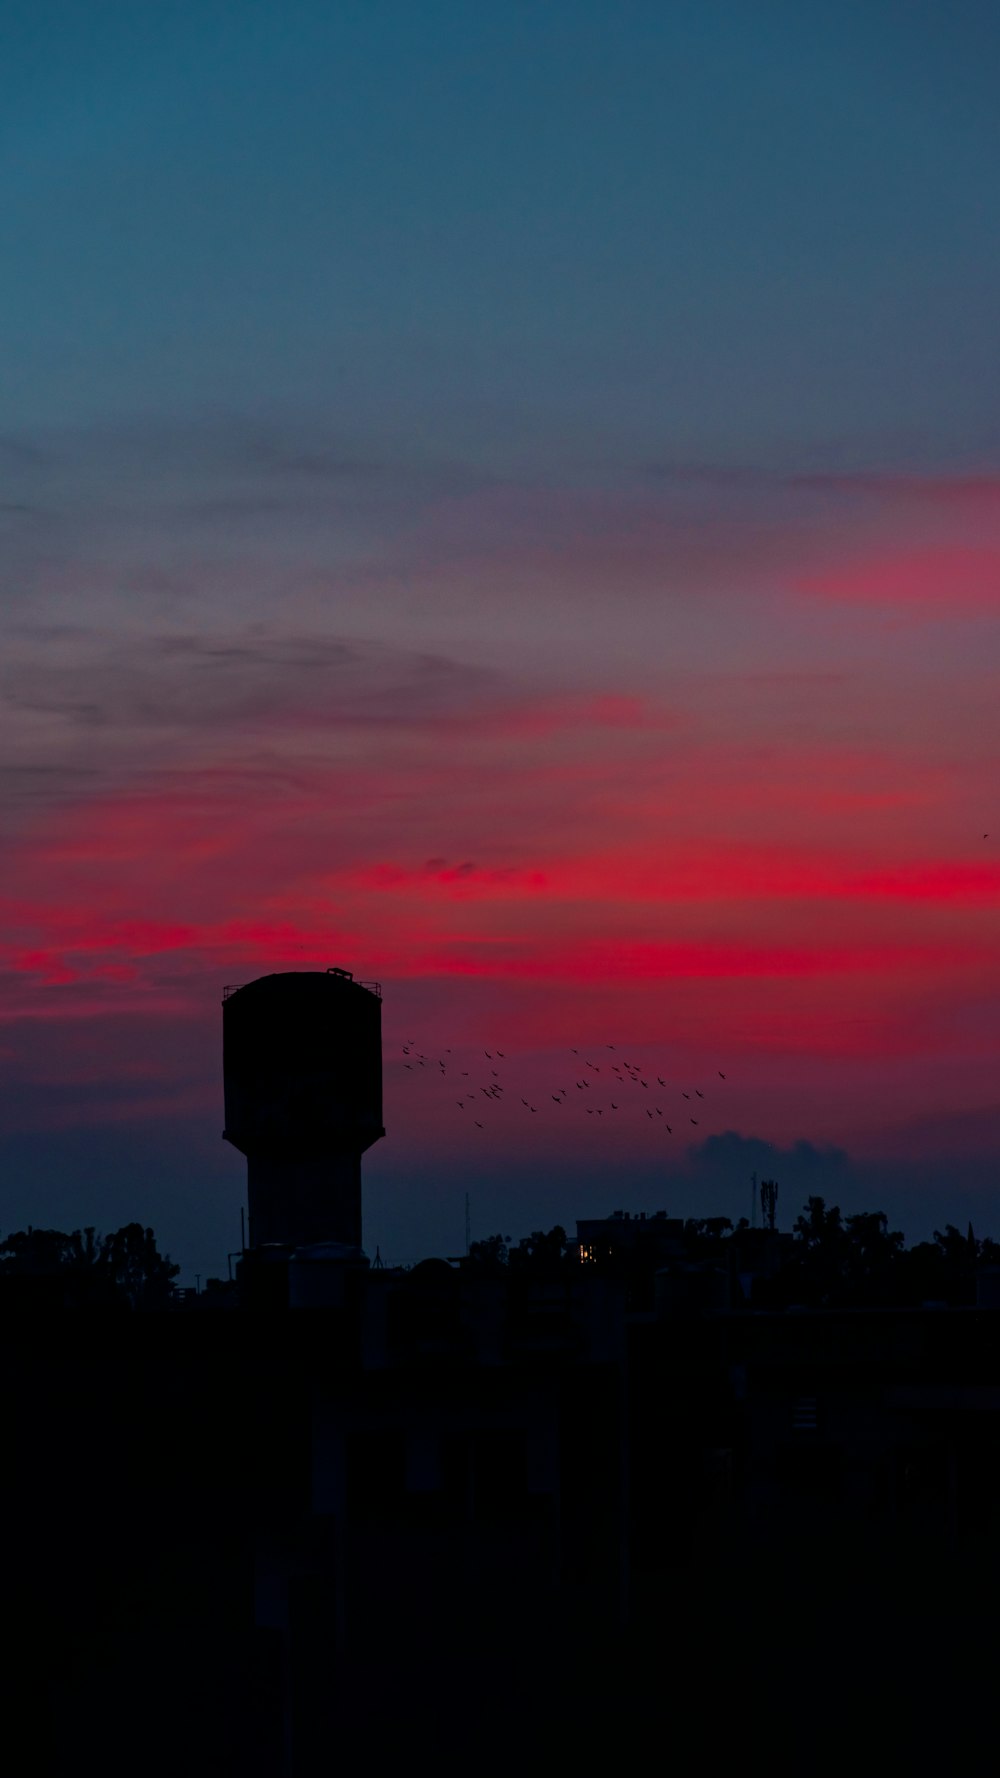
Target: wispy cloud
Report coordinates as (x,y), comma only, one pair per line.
(931,584)
(960,488)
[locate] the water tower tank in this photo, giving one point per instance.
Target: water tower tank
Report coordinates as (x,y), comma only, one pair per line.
(302,1063)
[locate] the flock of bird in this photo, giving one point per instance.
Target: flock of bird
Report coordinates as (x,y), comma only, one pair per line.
(618,1078)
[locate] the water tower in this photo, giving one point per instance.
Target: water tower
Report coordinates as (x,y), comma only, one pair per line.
(302,1063)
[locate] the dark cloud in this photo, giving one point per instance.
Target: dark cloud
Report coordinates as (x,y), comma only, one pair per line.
(804,1166)
(298,453)
(166,510)
(981,486)
(213,681)
(84,711)
(289,447)
(249,454)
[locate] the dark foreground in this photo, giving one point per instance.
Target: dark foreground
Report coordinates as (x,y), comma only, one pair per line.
(271,1545)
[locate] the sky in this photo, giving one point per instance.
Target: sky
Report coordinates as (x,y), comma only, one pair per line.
(505,500)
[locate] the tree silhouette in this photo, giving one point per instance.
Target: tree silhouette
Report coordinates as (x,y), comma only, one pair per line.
(820,1230)
(126,1266)
(842,1262)
(872,1258)
(541,1254)
(489,1255)
(141,1273)
(36,1253)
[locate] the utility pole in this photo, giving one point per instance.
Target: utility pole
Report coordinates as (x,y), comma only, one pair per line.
(468,1226)
(753,1200)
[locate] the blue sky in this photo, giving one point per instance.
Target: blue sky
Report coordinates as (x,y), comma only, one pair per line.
(582,230)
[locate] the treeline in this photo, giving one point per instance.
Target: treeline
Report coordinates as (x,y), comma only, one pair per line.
(835,1261)
(46,1267)
(827,1260)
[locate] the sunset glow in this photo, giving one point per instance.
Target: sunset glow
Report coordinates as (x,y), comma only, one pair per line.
(453,556)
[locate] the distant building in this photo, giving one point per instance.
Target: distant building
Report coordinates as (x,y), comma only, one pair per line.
(657,1235)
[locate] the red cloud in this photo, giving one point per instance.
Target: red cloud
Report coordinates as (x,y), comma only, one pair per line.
(602,962)
(688,873)
(51,969)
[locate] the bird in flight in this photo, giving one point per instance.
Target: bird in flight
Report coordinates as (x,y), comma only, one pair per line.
(720,1074)
(699,1092)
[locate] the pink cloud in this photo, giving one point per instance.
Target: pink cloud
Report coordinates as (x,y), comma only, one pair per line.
(50,968)
(926,583)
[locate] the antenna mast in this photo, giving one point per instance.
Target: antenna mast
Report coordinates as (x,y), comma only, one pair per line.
(768,1201)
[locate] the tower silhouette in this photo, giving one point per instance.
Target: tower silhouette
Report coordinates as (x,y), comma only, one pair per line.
(302,1067)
